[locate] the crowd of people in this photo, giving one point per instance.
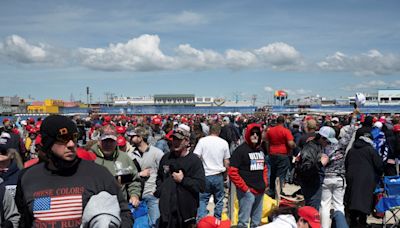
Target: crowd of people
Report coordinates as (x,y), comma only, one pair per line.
(109,171)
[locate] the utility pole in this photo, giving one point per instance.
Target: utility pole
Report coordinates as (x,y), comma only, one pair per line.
(236,96)
(87,96)
(109,98)
(254,99)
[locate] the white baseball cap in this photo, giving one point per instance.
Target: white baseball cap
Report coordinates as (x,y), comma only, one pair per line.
(328,133)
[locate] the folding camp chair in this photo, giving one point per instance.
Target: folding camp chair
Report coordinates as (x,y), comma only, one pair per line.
(390,203)
(286,201)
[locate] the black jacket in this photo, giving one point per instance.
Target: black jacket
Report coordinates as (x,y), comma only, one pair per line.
(363,167)
(309,169)
(179,201)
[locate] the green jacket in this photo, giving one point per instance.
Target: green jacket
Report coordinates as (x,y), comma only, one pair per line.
(130,189)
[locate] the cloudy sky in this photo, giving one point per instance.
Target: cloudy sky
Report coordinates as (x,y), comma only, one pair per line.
(54,49)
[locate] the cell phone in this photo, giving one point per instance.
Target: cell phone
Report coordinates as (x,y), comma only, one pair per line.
(125,179)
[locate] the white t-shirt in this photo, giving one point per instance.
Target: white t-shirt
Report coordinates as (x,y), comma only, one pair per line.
(212,151)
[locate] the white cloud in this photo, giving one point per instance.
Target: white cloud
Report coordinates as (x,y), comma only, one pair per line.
(17,49)
(279,55)
(268,89)
(144,54)
(374,84)
(189,57)
(371,63)
(239,59)
(298,92)
(138,54)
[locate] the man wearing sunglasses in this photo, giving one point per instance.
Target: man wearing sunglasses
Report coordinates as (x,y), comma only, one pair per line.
(54,193)
(148,159)
(248,172)
(180,179)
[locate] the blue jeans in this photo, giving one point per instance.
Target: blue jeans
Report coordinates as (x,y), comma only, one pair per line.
(339,220)
(153,210)
(312,194)
(250,206)
(214,187)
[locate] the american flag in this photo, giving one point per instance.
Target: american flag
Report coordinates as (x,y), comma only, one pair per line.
(57,207)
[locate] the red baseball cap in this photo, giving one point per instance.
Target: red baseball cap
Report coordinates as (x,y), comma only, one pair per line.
(107,118)
(121,129)
(396,128)
(184,120)
(212,222)
(156,121)
(31,120)
(168,136)
(121,141)
(311,215)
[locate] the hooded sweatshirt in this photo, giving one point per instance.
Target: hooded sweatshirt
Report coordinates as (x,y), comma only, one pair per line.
(248,170)
(281,221)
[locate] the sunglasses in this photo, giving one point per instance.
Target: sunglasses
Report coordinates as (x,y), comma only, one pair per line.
(258,133)
(326,140)
(64,139)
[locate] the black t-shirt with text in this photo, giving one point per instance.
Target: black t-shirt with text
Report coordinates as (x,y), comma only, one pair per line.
(250,163)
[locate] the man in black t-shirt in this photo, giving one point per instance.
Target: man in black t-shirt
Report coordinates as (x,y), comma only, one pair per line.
(248,172)
(55,192)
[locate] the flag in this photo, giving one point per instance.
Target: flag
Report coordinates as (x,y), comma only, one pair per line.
(57,207)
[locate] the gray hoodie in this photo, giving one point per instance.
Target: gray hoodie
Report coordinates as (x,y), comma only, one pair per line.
(102,211)
(10,209)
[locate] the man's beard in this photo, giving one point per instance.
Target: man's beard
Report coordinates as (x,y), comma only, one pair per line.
(59,163)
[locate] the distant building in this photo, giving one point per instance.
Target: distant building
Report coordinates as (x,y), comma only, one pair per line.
(174,99)
(9,105)
(389,96)
(134,101)
(204,101)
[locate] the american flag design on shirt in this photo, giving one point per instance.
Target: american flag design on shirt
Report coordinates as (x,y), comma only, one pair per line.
(52,208)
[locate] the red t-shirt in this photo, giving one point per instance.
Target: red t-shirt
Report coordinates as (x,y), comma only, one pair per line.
(278,138)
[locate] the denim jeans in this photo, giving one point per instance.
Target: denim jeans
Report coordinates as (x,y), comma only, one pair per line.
(312,194)
(250,206)
(214,187)
(339,220)
(279,167)
(153,210)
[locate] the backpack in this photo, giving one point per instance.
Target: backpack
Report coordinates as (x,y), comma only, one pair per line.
(306,163)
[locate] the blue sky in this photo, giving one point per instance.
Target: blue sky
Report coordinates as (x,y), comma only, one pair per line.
(52,49)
